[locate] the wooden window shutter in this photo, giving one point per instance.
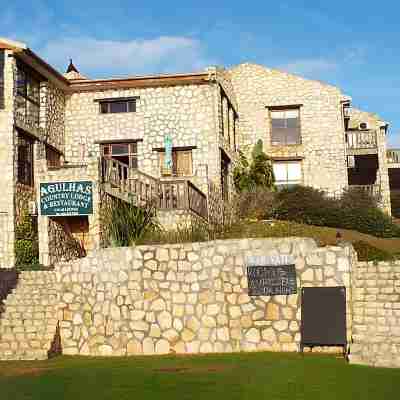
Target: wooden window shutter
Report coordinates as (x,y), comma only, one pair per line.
(2,66)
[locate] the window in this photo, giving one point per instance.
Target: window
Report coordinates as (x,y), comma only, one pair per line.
(181,163)
(126,153)
(27,101)
(285,127)
(53,157)
(287,173)
(25,160)
(117,106)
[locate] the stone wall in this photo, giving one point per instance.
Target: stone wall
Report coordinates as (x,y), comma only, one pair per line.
(186,113)
(376,314)
(52,115)
(322,149)
(52,232)
(7,140)
(188,298)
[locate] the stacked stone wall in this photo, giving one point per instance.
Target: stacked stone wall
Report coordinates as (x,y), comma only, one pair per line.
(188,298)
(186,113)
(7,211)
(322,149)
(376,314)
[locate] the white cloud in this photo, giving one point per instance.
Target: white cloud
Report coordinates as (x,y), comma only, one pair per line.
(140,56)
(310,66)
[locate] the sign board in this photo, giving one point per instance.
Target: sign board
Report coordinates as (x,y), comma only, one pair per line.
(66,198)
(271,280)
(271,275)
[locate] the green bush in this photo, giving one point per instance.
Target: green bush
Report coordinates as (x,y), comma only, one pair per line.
(126,223)
(258,173)
(353,210)
(257,204)
(26,242)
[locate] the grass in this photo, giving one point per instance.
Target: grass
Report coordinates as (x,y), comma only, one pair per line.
(229,376)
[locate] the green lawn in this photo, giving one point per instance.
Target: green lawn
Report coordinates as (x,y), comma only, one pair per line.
(229,376)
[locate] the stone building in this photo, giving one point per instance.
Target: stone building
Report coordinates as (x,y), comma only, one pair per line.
(70,145)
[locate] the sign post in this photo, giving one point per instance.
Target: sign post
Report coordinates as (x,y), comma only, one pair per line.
(66,198)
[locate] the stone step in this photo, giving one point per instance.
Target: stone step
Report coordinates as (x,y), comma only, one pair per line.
(29,321)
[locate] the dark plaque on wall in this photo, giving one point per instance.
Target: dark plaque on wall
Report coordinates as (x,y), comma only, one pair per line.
(271,280)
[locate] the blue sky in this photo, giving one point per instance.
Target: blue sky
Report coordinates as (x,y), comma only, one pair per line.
(351,44)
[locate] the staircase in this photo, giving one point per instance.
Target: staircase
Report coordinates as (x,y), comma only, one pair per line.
(29,321)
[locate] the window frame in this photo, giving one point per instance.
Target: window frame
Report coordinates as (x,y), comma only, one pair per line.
(285,109)
(25,168)
(53,157)
(132,152)
(175,153)
(105,105)
(28,99)
(287,182)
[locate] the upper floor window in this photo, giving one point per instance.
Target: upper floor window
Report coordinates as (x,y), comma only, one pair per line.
(25,160)
(285,126)
(27,101)
(182,164)
(53,157)
(126,153)
(117,106)
(287,173)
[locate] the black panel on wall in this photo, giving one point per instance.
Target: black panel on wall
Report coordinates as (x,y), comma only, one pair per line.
(2,62)
(323,316)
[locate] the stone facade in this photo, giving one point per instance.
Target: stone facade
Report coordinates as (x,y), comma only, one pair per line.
(214,114)
(376,314)
(185,298)
(322,149)
(7,141)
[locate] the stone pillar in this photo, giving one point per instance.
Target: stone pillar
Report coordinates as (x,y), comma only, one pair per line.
(383,176)
(7,141)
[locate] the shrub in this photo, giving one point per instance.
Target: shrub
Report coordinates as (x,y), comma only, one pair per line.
(305,205)
(354,210)
(257,204)
(248,176)
(126,223)
(26,242)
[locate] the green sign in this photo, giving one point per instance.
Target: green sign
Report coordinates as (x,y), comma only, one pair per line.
(66,198)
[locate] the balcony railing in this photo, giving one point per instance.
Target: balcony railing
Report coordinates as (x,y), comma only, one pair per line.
(358,140)
(393,156)
(180,194)
(28,124)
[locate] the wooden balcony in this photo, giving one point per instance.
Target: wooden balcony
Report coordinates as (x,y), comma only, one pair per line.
(393,158)
(132,185)
(29,125)
(361,142)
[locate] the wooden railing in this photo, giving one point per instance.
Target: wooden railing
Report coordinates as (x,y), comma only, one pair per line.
(361,140)
(179,194)
(183,195)
(372,190)
(393,156)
